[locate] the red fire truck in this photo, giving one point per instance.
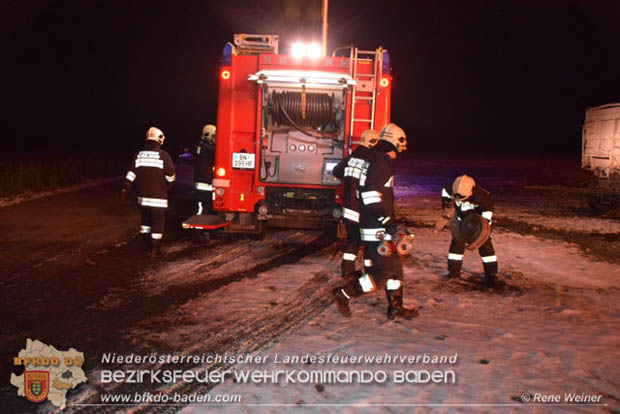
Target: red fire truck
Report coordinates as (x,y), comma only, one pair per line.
(284,121)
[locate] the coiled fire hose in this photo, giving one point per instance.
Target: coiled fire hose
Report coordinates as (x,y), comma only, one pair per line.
(402,243)
(302,110)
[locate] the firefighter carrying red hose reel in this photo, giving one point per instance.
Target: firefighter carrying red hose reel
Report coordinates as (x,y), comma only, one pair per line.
(378,225)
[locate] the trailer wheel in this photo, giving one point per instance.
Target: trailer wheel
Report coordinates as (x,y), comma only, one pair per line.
(602,203)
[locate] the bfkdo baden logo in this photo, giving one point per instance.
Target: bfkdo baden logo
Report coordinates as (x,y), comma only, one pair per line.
(37,385)
(48,373)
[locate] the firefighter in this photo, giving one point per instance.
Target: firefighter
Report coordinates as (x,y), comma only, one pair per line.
(377,224)
(350,169)
(203,169)
(153,173)
(461,199)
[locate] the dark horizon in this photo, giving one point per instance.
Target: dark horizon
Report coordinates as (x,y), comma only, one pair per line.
(478,77)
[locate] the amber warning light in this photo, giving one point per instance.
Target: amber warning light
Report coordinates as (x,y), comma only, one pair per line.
(220,172)
(225,74)
(385,82)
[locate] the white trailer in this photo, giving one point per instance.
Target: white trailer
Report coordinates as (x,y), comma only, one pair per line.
(601,141)
(601,155)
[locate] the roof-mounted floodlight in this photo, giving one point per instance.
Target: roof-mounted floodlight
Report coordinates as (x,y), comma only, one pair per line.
(313,51)
(300,50)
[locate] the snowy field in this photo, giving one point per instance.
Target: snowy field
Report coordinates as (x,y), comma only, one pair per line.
(547,335)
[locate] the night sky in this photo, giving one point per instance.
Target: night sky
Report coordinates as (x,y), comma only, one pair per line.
(469,76)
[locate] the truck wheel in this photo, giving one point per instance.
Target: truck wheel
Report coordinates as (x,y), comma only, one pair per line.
(601,203)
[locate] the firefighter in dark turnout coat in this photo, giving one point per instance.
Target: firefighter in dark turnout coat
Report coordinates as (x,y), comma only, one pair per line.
(152,172)
(350,170)
(204,160)
(378,223)
(467,198)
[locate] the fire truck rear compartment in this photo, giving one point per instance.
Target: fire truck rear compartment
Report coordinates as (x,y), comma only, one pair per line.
(302,136)
(292,157)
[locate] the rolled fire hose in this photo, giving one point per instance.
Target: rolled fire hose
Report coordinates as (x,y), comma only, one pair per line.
(403,243)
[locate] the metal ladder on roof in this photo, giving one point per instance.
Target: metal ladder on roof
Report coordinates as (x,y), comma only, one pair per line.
(366,82)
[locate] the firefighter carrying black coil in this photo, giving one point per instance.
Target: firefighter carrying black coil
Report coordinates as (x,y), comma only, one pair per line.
(468,209)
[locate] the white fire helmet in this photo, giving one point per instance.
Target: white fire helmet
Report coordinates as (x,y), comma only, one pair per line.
(155,134)
(463,187)
(208,133)
(394,135)
(369,138)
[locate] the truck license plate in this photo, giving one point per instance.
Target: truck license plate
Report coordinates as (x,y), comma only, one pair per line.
(243,160)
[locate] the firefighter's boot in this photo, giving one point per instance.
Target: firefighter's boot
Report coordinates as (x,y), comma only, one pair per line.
(490,272)
(395,305)
(155,250)
(146,243)
(451,274)
(490,278)
(454,269)
(342,300)
(343,295)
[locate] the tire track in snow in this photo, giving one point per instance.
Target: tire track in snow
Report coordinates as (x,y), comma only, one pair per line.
(180,281)
(248,335)
(209,274)
(129,305)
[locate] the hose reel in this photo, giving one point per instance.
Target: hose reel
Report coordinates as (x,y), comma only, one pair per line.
(303,109)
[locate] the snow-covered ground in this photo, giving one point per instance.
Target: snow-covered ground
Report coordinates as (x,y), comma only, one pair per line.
(29,196)
(553,330)
(549,329)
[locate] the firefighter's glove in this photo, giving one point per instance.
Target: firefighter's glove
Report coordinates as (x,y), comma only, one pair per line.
(448,211)
(124,194)
(391,227)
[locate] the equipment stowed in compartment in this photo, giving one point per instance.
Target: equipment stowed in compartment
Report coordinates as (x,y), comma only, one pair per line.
(303,109)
